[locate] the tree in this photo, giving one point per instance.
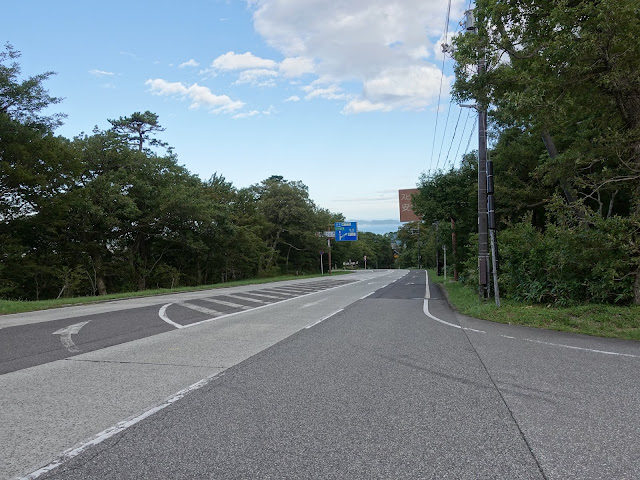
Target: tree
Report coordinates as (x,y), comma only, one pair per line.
(566,72)
(23,100)
(137,129)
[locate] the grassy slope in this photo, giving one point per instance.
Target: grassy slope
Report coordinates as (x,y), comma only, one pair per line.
(600,320)
(18,306)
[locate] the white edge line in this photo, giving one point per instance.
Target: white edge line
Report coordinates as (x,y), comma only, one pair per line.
(115,429)
(581,348)
(604,352)
(427,293)
(367,295)
(428,314)
(163,315)
(323,319)
(163,309)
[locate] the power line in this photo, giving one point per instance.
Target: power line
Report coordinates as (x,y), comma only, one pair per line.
(455,130)
(464,129)
(444,56)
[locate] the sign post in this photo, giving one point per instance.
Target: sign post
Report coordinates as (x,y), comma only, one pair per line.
(321,265)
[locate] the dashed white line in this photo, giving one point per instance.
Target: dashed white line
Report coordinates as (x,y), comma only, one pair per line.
(367,295)
(581,348)
(323,319)
(307,305)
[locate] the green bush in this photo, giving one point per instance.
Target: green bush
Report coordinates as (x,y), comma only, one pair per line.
(576,259)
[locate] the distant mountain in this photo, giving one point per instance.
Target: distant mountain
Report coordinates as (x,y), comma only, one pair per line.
(378,226)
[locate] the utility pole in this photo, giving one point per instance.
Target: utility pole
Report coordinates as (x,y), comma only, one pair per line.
(483,244)
(492,230)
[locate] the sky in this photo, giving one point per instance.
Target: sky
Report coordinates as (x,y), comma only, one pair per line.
(348,96)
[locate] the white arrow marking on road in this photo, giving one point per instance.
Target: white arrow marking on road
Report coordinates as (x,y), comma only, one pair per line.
(65,335)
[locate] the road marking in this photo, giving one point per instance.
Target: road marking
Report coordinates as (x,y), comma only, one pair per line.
(200,309)
(65,335)
(323,319)
(581,348)
(263,295)
(227,304)
(427,293)
(307,305)
(288,294)
(367,295)
(561,345)
(240,297)
(296,289)
(115,429)
(163,316)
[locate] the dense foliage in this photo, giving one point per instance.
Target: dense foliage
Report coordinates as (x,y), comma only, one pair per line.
(113,211)
(562,86)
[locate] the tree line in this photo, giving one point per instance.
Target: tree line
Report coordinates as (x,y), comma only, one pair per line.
(562,88)
(114,211)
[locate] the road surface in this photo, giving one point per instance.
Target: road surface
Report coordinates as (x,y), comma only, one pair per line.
(368,376)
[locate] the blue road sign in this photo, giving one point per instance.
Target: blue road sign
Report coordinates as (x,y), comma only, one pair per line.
(346,231)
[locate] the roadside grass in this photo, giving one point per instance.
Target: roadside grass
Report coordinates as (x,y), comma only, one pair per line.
(22,306)
(590,319)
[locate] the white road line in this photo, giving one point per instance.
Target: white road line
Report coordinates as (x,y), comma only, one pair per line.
(581,348)
(163,316)
(115,429)
(65,335)
(296,289)
(200,309)
(288,294)
(323,319)
(227,304)
(427,293)
(604,352)
(240,297)
(307,305)
(367,295)
(263,295)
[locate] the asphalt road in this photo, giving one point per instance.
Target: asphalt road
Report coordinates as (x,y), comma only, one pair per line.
(366,380)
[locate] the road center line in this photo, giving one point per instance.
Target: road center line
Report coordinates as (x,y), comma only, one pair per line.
(323,319)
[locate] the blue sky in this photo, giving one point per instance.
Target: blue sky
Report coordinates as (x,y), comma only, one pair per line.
(341,95)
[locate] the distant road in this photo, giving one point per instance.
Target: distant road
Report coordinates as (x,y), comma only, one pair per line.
(370,377)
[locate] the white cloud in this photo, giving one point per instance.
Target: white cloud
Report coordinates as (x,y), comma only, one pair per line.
(330,92)
(258,77)
(244,61)
(100,73)
(366,42)
(254,113)
(293,98)
(189,63)
(296,67)
(364,106)
(199,95)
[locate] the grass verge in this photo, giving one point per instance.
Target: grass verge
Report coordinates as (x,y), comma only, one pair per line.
(591,319)
(20,306)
